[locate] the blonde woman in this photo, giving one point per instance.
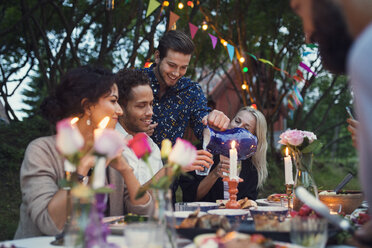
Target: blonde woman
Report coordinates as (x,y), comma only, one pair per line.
(253,172)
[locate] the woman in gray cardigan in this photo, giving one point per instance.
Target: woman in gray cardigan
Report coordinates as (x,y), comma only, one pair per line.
(90,94)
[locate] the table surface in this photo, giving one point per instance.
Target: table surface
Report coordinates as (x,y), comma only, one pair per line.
(44,241)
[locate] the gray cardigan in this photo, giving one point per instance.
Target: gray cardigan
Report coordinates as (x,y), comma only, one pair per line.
(41,170)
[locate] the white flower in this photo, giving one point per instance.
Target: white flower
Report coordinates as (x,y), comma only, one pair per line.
(109,143)
(310,135)
(69,139)
(183,153)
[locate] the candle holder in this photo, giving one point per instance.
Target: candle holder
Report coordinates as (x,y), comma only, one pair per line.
(289,191)
(233,191)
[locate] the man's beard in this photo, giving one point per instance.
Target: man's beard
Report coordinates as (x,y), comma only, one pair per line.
(332,36)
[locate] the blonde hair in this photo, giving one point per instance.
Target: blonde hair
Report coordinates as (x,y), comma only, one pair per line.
(259,158)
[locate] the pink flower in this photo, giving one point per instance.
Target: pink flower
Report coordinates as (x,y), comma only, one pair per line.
(140,145)
(69,139)
(109,143)
(183,153)
(291,137)
(310,135)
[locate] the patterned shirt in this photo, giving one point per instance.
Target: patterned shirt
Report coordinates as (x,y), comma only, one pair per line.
(181,105)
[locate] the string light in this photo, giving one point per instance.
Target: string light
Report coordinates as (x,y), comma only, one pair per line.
(180,5)
(165,3)
(204,26)
(245,69)
(190,4)
(244,86)
(242,59)
(224,42)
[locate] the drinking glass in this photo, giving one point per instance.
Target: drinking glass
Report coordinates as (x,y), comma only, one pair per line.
(141,234)
(309,231)
(203,172)
(186,206)
(335,208)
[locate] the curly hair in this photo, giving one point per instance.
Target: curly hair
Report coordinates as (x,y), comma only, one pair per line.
(126,79)
(177,41)
(86,82)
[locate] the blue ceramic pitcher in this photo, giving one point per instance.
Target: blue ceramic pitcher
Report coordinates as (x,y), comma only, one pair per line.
(219,142)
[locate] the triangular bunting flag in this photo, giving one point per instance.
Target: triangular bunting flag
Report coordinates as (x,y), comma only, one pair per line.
(302,64)
(266,61)
(230,50)
(153,5)
(252,56)
(193,30)
(173,18)
(214,40)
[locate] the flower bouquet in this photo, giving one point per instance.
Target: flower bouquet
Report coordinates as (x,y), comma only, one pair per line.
(84,226)
(302,145)
(174,159)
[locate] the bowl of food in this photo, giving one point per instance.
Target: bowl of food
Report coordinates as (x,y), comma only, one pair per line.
(231,214)
(268,218)
(348,199)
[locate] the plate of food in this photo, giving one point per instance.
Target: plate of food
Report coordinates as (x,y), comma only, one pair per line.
(236,240)
(117,223)
(273,200)
(244,203)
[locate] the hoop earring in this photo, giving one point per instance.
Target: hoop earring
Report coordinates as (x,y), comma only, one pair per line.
(89,122)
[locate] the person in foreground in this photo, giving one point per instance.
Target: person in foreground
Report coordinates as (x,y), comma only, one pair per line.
(90,94)
(253,170)
(357,14)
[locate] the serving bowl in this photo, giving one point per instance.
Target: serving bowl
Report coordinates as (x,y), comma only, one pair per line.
(268,218)
(233,215)
(204,206)
(348,199)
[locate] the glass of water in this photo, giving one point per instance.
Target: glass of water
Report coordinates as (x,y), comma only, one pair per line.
(309,231)
(203,172)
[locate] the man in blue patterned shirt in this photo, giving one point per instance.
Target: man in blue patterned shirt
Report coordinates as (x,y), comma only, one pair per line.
(178,101)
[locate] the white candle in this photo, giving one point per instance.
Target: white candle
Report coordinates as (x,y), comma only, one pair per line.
(99,177)
(288,168)
(233,160)
(102,125)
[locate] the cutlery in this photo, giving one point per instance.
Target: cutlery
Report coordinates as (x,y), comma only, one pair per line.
(343,183)
(322,209)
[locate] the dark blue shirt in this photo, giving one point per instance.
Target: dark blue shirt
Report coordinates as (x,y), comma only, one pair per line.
(181,105)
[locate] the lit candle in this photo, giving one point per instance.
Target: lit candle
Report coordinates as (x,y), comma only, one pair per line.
(288,168)
(99,177)
(101,126)
(233,160)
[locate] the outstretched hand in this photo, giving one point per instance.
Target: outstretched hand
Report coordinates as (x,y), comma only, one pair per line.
(203,158)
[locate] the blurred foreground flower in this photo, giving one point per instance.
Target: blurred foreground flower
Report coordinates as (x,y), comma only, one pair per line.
(182,154)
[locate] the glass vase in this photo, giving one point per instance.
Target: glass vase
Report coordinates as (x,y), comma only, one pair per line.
(304,176)
(96,232)
(75,233)
(162,215)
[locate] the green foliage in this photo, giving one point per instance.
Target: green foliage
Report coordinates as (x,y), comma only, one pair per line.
(14,140)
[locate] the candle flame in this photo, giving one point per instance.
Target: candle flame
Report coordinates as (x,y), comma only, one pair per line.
(103,123)
(286,151)
(233,144)
(74,120)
